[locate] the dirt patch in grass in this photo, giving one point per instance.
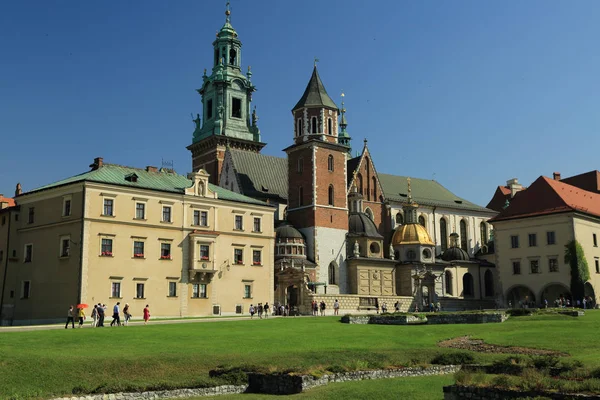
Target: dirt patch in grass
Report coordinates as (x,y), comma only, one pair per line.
(478,345)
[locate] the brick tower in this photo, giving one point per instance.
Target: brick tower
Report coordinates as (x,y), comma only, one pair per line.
(227,118)
(317,198)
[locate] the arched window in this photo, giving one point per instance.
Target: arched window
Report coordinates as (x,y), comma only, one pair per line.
(329,126)
(483,232)
(369,213)
(422,221)
(314,124)
(489,283)
(299,127)
(232,57)
(374,189)
(330,193)
(360,183)
(463,235)
(332,278)
(300,196)
(300,165)
(399,218)
(468,285)
(448,279)
(443,234)
(330,163)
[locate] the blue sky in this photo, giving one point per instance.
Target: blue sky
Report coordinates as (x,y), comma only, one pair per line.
(470,93)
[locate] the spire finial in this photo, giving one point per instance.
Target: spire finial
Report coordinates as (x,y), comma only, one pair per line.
(409,190)
(227,12)
(342,96)
(316,61)
(365,141)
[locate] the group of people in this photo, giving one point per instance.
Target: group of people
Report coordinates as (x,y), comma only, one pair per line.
(98,314)
(319,308)
(260,309)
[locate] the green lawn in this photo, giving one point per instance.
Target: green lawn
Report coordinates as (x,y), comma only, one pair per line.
(52,363)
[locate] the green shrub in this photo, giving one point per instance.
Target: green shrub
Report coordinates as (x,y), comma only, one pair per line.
(544,362)
(336,369)
(513,365)
(595,373)
(570,365)
(520,312)
(457,358)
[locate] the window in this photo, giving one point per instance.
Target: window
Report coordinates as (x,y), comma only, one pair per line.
(300,167)
(300,196)
(140,211)
(463,235)
(483,233)
(65,247)
(256,224)
(106,249)
(166,214)
(299,127)
(329,126)
(553,265)
(199,290)
(32,215)
(532,240)
(165,251)
(236,107)
(256,257)
(238,256)
(139,290)
(595,240)
(247,291)
(28,253)
(66,207)
(25,289)
(115,289)
(448,276)
(138,249)
(204,252)
(314,124)
(200,218)
(422,221)
(514,241)
(374,188)
(330,163)
(330,195)
(172,289)
(550,237)
(369,213)
(468,285)
(209,109)
(332,274)
(443,234)
(399,218)
(597,266)
(516,267)
(360,183)
(411,254)
(239,223)
(232,56)
(108,207)
(535,266)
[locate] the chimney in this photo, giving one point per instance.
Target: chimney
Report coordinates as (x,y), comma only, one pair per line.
(514,186)
(98,162)
(150,168)
(556,176)
(18,190)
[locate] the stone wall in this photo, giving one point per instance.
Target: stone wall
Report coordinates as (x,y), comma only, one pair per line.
(430,318)
(350,303)
(456,392)
(163,394)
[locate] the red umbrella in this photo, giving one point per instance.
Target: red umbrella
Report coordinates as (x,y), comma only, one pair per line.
(83,305)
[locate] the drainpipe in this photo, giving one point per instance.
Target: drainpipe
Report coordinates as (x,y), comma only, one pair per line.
(5,266)
(80,283)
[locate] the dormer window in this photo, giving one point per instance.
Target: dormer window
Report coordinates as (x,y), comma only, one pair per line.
(131,178)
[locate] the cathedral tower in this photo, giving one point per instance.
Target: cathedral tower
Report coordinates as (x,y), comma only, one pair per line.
(227,117)
(317,198)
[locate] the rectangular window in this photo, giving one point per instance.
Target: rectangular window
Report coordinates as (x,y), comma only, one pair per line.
(108,207)
(199,290)
(247,291)
(514,241)
(256,257)
(106,249)
(138,249)
(535,266)
(553,265)
(139,290)
(28,253)
(516,267)
(115,290)
(140,211)
(239,222)
(595,240)
(209,109)
(238,256)
(65,247)
(32,215)
(256,224)
(597,266)
(203,218)
(204,248)
(166,214)
(66,208)
(165,251)
(196,218)
(172,289)
(25,289)
(532,240)
(236,107)
(300,165)
(550,237)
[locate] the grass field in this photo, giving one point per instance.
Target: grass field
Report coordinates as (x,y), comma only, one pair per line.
(43,364)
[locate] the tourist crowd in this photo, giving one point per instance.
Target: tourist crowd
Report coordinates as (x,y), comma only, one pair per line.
(98,314)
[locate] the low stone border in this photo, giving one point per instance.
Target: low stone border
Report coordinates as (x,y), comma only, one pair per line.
(164,394)
(457,392)
(430,318)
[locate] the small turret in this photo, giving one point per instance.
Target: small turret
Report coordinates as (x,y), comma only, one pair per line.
(343,137)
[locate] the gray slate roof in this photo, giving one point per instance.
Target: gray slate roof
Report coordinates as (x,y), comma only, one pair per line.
(261,176)
(315,94)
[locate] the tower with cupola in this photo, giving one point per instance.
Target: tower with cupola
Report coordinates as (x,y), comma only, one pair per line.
(317,191)
(227,117)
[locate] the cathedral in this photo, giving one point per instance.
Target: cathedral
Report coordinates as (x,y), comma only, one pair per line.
(344,231)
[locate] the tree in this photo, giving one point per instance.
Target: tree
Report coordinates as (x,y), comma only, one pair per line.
(580,272)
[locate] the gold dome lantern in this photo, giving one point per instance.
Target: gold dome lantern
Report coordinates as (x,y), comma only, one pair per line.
(411,234)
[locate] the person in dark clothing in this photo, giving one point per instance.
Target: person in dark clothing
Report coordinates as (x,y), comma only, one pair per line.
(100,311)
(70,318)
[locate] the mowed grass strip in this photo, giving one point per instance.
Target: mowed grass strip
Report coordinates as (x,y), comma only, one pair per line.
(42,364)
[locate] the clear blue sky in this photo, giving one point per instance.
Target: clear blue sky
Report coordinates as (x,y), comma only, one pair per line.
(475,92)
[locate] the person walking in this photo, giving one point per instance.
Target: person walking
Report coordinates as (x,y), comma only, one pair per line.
(100,311)
(266,308)
(70,318)
(81,317)
(126,314)
(252,311)
(94,316)
(116,317)
(146,314)
(336,307)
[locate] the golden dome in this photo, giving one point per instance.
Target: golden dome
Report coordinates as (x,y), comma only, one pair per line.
(411,234)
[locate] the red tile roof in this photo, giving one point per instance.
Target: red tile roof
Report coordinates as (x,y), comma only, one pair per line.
(589,181)
(11,202)
(548,196)
(499,199)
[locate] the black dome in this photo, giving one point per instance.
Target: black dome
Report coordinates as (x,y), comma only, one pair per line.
(455,254)
(360,224)
(287,231)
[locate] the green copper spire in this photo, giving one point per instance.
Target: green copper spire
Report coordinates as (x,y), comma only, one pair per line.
(315,94)
(343,137)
